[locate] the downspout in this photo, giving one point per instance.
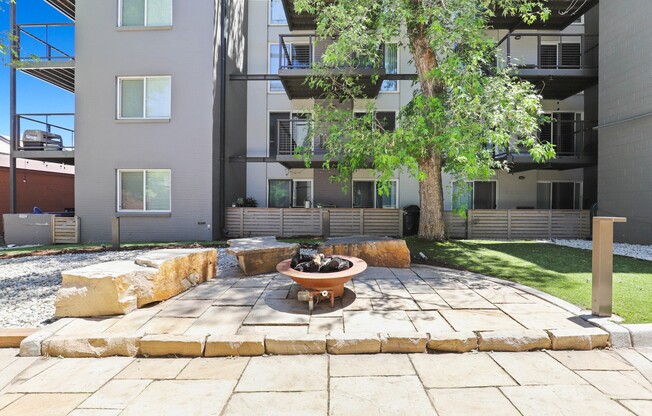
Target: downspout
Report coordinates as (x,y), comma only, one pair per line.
(13,133)
(223,52)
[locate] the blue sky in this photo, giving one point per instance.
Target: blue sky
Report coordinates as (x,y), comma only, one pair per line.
(35,96)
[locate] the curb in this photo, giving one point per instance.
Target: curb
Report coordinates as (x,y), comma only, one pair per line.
(165,345)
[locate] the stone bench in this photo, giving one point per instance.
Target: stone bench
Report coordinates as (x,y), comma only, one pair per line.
(118,287)
(259,255)
(376,251)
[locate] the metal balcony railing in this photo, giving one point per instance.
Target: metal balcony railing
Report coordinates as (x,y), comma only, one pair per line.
(571,138)
(295,133)
(554,51)
(36,42)
(61,124)
(303,51)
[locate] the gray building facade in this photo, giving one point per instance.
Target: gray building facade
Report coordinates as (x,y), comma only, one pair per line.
(184,107)
(186,142)
(625,106)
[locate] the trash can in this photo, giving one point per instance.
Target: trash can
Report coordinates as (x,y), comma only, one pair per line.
(411,215)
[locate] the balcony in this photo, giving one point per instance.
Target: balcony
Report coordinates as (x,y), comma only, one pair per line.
(575,144)
(293,134)
(298,21)
(299,54)
(563,13)
(39,57)
(61,124)
(67,7)
(559,65)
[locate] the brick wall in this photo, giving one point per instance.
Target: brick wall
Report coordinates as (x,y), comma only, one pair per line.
(52,192)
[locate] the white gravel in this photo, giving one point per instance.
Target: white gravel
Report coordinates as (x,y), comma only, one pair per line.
(638,251)
(28,285)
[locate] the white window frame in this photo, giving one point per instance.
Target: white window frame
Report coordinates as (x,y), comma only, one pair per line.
(145,16)
(144,117)
(375,197)
(269,68)
(580,183)
(292,185)
(144,210)
(269,15)
(398,71)
(579,21)
(293,196)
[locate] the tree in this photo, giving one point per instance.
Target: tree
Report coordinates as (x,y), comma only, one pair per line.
(464,104)
(5,38)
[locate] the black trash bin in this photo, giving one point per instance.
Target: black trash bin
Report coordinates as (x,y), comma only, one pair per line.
(411,215)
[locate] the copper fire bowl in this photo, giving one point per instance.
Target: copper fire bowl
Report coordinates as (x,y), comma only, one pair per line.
(324,281)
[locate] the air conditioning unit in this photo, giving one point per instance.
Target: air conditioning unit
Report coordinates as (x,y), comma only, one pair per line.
(41,140)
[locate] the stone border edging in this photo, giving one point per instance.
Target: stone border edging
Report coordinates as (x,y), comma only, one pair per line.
(359,343)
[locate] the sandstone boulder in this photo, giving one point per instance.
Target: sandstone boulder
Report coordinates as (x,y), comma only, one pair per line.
(118,287)
(177,270)
(376,251)
(259,255)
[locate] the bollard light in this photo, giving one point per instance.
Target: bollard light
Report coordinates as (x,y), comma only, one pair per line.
(603,256)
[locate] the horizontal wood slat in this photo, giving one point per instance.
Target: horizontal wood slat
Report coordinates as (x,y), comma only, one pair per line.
(478,224)
(65,230)
(294,222)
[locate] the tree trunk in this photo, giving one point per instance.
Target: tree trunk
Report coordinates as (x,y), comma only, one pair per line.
(431,193)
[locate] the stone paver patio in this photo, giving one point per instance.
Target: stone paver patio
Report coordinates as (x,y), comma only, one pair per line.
(391,310)
(577,383)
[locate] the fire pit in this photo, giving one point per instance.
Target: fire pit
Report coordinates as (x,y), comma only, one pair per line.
(324,285)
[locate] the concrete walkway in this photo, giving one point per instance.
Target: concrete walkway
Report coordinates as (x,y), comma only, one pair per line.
(450,310)
(598,382)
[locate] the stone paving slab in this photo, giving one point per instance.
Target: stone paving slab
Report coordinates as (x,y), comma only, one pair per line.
(429,300)
(505,384)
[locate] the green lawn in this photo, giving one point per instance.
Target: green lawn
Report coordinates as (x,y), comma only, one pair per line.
(561,271)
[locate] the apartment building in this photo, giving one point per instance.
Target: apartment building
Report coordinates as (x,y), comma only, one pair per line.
(183,107)
(559,55)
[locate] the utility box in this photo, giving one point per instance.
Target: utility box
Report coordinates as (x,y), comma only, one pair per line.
(28,229)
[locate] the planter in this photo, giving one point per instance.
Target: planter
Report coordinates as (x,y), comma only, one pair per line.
(324,281)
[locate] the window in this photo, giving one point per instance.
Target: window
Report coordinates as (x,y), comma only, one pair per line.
(144,97)
(559,195)
(366,194)
(301,193)
(144,190)
(384,119)
(285,193)
(274,61)
(391,67)
(560,55)
(474,195)
(287,131)
(145,13)
(277,13)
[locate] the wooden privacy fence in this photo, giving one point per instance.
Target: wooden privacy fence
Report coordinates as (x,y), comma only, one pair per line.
(515,224)
(504,224)
(65,230)
(294,222)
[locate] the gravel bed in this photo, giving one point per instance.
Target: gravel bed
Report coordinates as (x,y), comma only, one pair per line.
(28,285)
(638,251)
